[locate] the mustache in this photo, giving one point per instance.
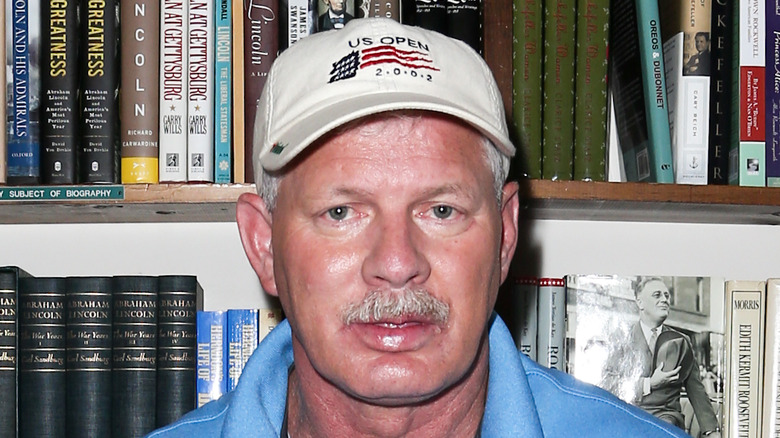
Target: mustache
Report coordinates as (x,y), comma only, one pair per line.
(379,305)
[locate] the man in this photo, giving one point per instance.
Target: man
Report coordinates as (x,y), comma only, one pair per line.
(699,63)
(335,17)
(385,228)
(662,383)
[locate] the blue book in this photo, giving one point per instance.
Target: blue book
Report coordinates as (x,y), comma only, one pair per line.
(212,348)
(242,338)
(223,88)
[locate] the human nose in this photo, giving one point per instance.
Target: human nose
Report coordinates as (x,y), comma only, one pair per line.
(395,257)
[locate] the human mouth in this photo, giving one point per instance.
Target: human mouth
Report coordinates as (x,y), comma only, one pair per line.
(396,335)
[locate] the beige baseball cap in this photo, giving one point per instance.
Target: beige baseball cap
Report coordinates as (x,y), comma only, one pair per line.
(372,65)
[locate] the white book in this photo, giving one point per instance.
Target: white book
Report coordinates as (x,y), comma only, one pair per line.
(200,92)
(771,399)
(173,91)
(551,335)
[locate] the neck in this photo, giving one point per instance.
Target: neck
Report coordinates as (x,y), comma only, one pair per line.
(317,408)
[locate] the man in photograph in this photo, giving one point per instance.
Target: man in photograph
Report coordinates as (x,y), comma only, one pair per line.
(335,17)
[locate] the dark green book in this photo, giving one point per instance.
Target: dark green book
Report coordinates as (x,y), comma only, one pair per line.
(528,47)
(9,348)
(134,359)
(42,357)
(590,96)
(88,365)
(178,300)
(558,85)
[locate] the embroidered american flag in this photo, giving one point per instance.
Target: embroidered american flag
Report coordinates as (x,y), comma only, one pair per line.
(348,66)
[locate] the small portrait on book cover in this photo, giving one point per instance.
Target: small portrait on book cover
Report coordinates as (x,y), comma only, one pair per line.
(699,62)
(656,342)
(334,14)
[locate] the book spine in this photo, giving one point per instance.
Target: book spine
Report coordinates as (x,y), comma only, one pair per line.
(551,336)
(222,92)
(721,48)
(747,155)
(656,101)
(3,108)
(23,159)
(745,313)
(210,381)
(432,14)
(139,106)
(261,24)
(98,81)
(237,83)
(464,22)
(684,31)
(268,320)
(42,381)
(528,47)
(174,64)
(771,393)
(59,91)
(176,346)
(590,96)
(200,92)
(377,8)
(772,104)
(298,19)
(558,85)
(242,333)
(9,348)
(527,290)
(134,356)
(88,363)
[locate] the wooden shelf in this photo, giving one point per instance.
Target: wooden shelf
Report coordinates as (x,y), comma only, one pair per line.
(563,200)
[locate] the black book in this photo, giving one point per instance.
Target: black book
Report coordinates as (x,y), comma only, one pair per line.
(464,22)
(98,81)
(431,14)
(59,91)
(88,366)
(9,349)
(176,346)
(42,357)
(721,59)
(134,358)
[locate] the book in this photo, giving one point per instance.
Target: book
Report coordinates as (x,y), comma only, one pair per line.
(23,33)
(770,402)
(297,20)
(174,65)
(747,151)
(242,339)
(376,8)
(721,48)
(464,22)
(59,91)
(685,30)
(9,347)
(335,14)
(528,47)
(98,84)
(527,290)
(772,103)
(551,323)
(222,92)
(610,335)
(139,103)
(134,355)
(211,382)
(200,91)
(558,87)
(261,46)
(268,320)
(745,313)
(88,339)
(3,112)
(637,84)
(237,84)
(42,382)
(590,96)
(432,14)
(179,297)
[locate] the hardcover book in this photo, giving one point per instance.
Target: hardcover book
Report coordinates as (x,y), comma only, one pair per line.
(3,112)
(432,14)
(721,66)
(334,15)
(237,124)
(178,298)
(98,82)
(9,347)
(685,30)
(174,65)
(377,8)
(745,314)
(655,342)
(134,357)
(223,90)
(637,84)
(770,424)
(42,382)
(558,86)
(527,44)
(242,340)
(298,19)
(268,320)
(551,335)
(526,289)
(772,104)
(211,382)
(200,92)
(88,303)
(464,22)
(59,91)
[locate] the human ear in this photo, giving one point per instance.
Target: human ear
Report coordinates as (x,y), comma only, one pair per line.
(254,226)
(510,208)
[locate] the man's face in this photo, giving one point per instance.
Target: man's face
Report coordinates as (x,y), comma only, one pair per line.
(398,206)
(653,301)
(337,6)
(701,43)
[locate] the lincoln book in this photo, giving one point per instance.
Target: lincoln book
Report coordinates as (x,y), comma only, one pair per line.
(174,64)
(200,92)
(9,348)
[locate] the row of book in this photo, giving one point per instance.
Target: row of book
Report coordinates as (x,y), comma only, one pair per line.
(226,340)
(700,352)
(140,91)
(108,356)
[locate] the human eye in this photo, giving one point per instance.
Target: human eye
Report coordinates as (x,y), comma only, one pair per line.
(338,213)
(442,211)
